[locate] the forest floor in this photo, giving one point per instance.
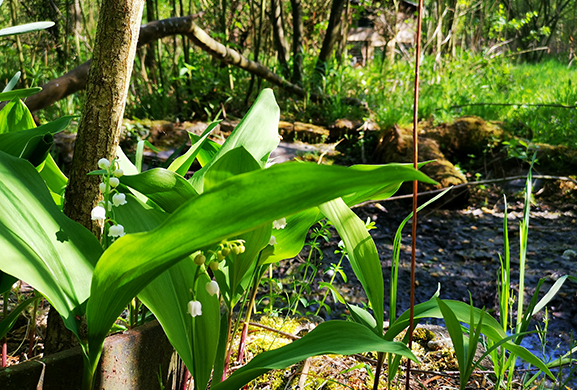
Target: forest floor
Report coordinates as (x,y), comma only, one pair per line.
(458,250)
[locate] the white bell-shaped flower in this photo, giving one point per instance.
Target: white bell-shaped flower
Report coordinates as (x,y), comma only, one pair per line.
(98,213)
(119,199)
(194,308)
(103,163)
(116,231)
(212,287)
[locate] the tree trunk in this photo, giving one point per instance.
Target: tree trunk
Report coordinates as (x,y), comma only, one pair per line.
(99,127)
(279,37)
(150,57)
(298,33)
(331,36)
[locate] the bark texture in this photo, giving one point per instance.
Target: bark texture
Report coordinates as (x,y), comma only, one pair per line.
(99,127)
(279,37)
(298,33)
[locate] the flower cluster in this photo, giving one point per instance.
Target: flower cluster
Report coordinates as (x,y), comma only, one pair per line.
(110,180)
(224,249)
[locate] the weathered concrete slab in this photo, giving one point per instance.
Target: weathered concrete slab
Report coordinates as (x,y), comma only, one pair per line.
(130,361)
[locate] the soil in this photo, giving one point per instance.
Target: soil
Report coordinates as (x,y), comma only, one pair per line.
(458,250)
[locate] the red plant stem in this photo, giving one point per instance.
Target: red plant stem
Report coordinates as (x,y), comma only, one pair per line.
(186,378)
(4,352)
(242,343)
(415,186)
(4,339)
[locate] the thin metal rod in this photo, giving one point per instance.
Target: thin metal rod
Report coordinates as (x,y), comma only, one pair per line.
(415,185)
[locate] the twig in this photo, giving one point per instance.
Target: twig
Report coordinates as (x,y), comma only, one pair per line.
(472,183)
(556,105)
(285,334)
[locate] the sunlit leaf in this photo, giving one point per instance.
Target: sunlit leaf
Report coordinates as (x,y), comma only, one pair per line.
(42,246)
(332,337)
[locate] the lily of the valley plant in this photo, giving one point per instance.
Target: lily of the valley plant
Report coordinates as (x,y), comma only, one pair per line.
(190,247)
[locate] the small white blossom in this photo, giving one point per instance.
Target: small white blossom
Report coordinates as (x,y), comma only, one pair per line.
(102,187)
(116,231)
(103,163)
(119,199)
(114,182)
(272,241)
(279,223)
(212,287)
(194,308)
(341,244)
(98,213)
(118,173)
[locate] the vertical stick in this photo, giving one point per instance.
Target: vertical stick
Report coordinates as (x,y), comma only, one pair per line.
(415,186)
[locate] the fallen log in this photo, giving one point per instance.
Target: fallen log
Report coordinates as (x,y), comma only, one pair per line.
(75,80)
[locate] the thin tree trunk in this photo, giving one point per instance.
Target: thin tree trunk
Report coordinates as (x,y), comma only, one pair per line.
(298,33)
(331,36)
(75,19)
(257,36)
(19,45)
(279,37)
(150,58)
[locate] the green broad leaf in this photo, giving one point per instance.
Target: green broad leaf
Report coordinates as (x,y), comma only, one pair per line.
(232,163)
(456,333)
(53,176)
(25,28)
(237,206)
(182,164)
(205,333)
(331,337)
(291,239)
(167,189)
(208,150)
(125,164)
(6,282)
(42,246)
(12,83)
(18,93)
(363,317)
(549,295)
(257,133)
(168,295)
(362,254)
(7,323)
(15,116)
(33,144)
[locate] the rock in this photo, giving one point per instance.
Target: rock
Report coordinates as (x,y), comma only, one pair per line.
(396,145)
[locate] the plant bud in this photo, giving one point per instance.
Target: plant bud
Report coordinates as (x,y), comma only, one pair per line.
(200,259)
